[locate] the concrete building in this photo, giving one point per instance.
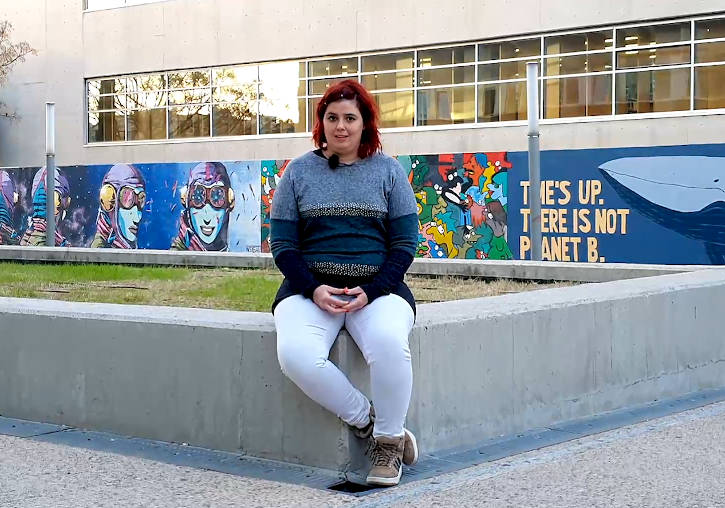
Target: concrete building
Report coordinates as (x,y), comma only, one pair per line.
(178,80)
(632,106)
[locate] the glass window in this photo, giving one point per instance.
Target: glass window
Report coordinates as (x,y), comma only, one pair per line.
(106,126)
(320,86)
(657,34)
(446,56)
(190,79)
(500,102)
(279,106)
(710,52)
(670,55)
(509,49)
(235,119)
(710,28)
(440,106)
(147,124)
(243,75)
(388,80)
(333,67)
(578,64)
(387,62)
(312,112)
(396,108)
(146,100)
(650,91)
(503,70)
(190,96)
(447,76)
(190,121)
(578,96)
(106,102)
(146,82)
(709,89)
(572,43)
(106,86)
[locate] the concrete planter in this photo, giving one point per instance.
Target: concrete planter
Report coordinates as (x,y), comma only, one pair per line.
(482,367)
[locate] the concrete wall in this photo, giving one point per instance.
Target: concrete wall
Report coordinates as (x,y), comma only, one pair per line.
(483,367)
(74,45)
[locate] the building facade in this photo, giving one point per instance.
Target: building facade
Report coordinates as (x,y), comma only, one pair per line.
(172,82)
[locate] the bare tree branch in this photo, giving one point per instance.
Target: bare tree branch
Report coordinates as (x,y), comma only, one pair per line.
(11,53)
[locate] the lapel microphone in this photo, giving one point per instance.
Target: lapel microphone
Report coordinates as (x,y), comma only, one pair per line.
(333,161)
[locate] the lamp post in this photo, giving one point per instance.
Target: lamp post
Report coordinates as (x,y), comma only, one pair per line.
(50,174)
(532,91)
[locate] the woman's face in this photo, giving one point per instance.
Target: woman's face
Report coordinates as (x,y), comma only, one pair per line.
(343,127)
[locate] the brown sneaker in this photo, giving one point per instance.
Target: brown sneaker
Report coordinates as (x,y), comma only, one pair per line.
(410,451)
(366,431)
(387,458)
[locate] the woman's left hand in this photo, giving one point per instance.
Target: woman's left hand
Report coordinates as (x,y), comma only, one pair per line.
(360,301)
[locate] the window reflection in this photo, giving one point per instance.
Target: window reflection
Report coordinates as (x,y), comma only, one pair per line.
(670,55)
(388,80)
(709,89)
(657,34)
(447,76)
(333,67)
(710,28)
(710,52)
(578,96)
(500,102)
(652,91)
(280,108)
(190,79)
(387,62)
(106,126)
(509,49)
(446,56)
(147,124)
(440,106)
(573,43)
(579,64)
(396,108)
(189,121)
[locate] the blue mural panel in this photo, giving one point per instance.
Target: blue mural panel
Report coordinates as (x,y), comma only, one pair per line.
(181,206)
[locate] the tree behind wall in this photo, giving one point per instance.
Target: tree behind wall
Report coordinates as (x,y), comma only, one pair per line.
(11,53)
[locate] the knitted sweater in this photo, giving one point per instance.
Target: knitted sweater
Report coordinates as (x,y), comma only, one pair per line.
(356,225)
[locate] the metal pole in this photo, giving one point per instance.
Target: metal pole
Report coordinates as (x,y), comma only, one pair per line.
(50,174)
(532,91)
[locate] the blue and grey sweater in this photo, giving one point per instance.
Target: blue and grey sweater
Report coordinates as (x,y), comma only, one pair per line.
(356,225)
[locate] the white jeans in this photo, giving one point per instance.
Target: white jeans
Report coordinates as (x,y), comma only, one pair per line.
(305,334)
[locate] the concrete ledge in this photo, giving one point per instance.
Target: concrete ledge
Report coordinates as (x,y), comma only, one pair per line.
(531,270)
(483,367)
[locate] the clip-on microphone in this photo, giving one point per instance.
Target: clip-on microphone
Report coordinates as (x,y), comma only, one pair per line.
(333,161)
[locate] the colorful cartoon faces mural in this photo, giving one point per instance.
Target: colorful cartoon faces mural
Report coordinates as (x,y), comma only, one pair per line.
(462,202)
(122,200)
(208,199)
(37,224)
(8,200)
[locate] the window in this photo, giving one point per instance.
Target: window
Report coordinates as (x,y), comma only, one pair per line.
(658,67)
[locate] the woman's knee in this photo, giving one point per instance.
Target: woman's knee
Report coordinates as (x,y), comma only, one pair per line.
(387,344)
(297,360)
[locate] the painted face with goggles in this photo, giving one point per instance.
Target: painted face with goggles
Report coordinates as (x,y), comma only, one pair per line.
(208,207)
(62,203)
(131,201)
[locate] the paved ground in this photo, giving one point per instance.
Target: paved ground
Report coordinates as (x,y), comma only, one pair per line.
(676,461)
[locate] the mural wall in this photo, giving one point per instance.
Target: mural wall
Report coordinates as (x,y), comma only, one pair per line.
(191,206)
(637,205)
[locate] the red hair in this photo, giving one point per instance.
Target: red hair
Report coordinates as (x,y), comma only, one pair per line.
(351,90)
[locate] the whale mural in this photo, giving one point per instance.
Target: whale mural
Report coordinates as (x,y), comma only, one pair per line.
(683,193)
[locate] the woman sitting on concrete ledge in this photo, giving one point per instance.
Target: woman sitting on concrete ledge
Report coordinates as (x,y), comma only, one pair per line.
(344,230)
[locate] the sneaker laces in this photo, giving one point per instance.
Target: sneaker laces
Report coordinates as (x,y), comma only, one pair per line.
(383,454)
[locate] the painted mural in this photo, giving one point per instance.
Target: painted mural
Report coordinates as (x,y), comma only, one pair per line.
(461,198)
(181,206)
(634,205)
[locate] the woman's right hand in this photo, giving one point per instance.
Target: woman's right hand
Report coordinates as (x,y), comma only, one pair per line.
(324,297)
